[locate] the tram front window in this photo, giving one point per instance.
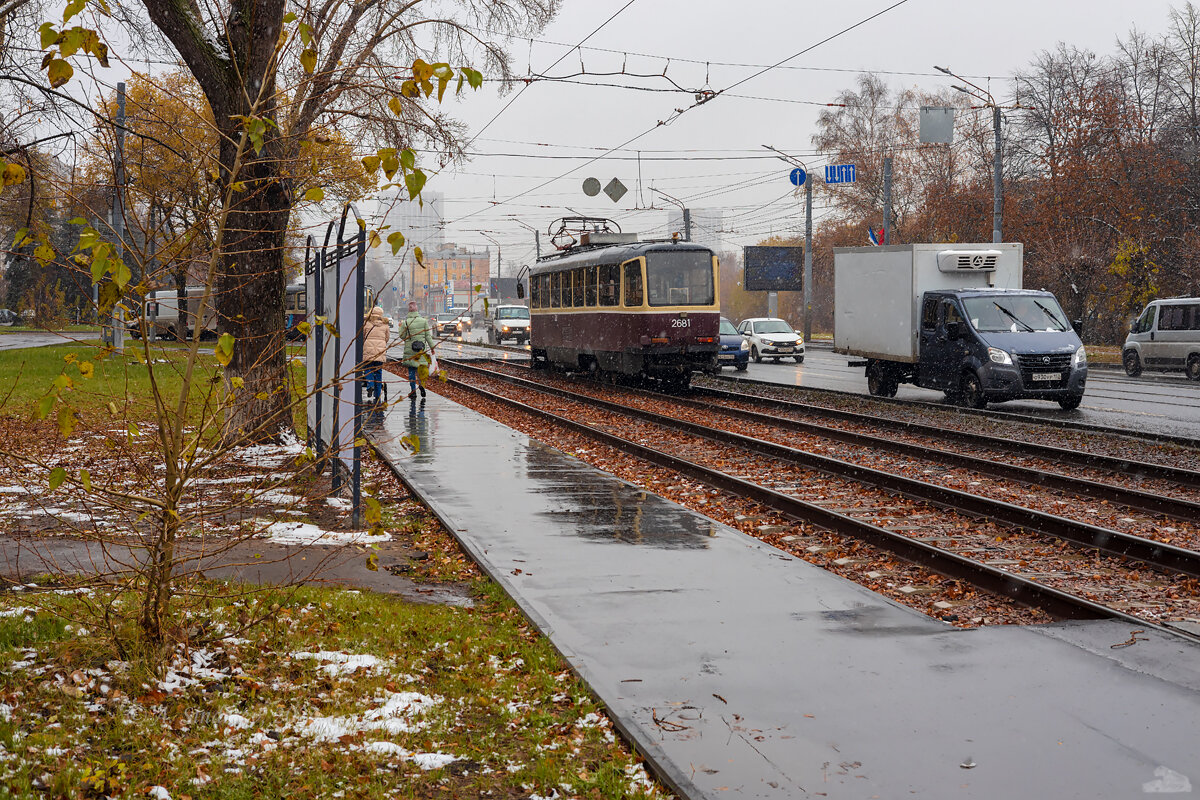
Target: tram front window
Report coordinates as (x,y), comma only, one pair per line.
(679,278)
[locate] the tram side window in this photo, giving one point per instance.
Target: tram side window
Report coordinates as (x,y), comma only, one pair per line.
(556,290)
(577,287)
(633,283)
(589,286)
(610,285)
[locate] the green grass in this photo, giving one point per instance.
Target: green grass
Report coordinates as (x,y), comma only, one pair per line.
(506,706)
(29,374)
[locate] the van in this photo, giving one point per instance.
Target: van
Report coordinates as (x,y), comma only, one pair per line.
(1165,336)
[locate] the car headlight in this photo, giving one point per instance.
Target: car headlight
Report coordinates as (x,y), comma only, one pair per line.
(1080,359)
(999,356)
(745,344)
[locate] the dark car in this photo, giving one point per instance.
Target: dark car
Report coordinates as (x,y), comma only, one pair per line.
(735,348)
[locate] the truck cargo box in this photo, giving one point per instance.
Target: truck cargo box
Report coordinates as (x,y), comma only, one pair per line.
(877,290)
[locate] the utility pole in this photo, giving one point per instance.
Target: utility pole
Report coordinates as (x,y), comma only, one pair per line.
(887,200)
(118,210)
(807,280)
(152,264)
(997,155)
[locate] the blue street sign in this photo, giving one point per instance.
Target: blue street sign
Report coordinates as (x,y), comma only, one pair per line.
(798,177)
(839,173)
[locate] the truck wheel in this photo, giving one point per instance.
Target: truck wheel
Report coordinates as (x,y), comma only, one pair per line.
(1133,364)
(970,390)
(1193,367)
(755,354)
(880,382)
(1071,402)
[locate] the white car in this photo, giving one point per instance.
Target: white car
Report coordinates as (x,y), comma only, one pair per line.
(772,338)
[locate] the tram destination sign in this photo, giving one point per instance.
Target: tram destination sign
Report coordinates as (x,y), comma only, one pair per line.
(774,269)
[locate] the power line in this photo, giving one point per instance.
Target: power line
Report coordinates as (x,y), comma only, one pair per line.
(552,66)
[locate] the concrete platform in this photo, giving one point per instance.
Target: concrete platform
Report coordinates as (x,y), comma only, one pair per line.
(740,671)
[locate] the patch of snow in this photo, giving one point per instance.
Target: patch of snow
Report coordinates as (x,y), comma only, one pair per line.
(386,749)
(17,612)
(432,760)
(159,793)
(305,534)
(341,662)
(272,455)
(5,712)
(235,721)
(339,502)
(15,490)
(394,717)
(279,498)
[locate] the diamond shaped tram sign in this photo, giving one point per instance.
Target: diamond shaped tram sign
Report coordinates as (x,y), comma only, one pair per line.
(615,190)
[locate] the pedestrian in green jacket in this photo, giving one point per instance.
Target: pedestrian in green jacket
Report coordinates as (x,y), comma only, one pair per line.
(413,330)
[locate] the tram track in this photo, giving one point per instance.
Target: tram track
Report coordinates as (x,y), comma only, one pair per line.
(933,515)
(990,414)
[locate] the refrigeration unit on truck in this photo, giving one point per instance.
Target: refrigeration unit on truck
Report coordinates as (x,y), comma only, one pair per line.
(954,317)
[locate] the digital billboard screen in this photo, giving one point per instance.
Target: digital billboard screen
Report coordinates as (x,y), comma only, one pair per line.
(774,269)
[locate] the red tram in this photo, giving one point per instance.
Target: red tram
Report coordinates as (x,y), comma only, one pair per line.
(614,306)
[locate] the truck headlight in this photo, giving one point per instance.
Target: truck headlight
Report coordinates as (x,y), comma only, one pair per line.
(999,356)
(1080,359)
(745,344)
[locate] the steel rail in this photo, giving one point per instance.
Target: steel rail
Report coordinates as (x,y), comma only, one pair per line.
(1184,510)
(1164,556)
(1128,466)
(1067,424)
(1026,592)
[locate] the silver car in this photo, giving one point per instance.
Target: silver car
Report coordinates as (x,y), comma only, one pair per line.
(1166,335)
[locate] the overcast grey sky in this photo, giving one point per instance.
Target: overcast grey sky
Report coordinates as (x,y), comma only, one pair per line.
(710,147)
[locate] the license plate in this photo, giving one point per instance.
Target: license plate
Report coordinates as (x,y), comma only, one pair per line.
(726,356)
(1047,376)
(783,349)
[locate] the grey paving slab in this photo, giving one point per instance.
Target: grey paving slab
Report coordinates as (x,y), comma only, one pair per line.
(740,671)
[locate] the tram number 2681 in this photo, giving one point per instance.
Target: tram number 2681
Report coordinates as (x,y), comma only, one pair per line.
(681,323)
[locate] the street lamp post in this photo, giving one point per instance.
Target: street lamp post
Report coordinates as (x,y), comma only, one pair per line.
(499,263)
(808,182)
(997,155)
(687,213)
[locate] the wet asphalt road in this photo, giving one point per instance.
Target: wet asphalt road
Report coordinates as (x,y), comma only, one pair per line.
(14,341)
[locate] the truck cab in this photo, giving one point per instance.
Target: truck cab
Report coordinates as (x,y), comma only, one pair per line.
(989,345)
(509,322)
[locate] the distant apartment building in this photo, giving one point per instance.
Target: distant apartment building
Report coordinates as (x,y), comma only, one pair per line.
(706,226)
(449,275)
(392,276)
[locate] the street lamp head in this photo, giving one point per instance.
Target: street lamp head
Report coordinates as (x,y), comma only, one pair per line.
(944,70)
(962,89)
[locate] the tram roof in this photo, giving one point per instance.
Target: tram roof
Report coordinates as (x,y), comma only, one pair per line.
(609,254)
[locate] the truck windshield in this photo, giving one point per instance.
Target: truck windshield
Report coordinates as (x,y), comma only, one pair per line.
(679,277)
(512,313)
(1015,313)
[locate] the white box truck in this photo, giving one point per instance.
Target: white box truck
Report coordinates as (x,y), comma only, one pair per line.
(954,317)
